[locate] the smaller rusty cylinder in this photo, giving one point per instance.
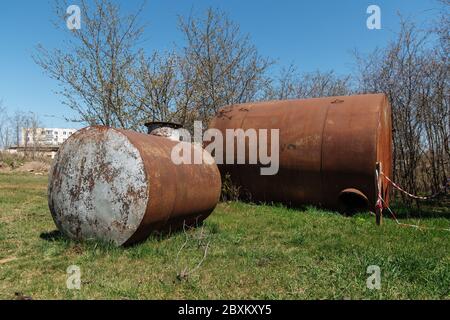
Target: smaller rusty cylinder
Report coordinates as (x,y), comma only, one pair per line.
(120,186)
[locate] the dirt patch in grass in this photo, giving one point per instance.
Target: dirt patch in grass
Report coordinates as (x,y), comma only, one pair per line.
(4,167)
(34,167)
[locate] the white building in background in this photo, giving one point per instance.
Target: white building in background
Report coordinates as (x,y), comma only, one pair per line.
(41,141)
(44,136)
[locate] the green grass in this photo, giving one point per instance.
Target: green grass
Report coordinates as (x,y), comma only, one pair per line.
(255,252)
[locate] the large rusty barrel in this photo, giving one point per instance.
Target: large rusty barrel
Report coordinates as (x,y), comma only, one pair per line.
(119,186)
(329,150)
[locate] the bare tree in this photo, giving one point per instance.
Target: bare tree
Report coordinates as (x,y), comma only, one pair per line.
(413,72)
(219,66)
(25,126)
(33,124)
(108,80)
(97,66)
(17,122)
(5,127)
(294,85)
(157,83)
(442,27)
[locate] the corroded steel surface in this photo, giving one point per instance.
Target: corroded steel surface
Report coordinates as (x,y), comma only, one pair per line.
(119,186)
(329,148)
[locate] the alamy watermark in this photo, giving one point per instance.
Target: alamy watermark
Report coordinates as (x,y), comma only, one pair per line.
(374,20)
(73,20)
(234,143)
(374,280)
(73,281)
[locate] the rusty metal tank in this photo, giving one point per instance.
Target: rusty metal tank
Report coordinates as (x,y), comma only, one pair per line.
(329,150)
(119,186)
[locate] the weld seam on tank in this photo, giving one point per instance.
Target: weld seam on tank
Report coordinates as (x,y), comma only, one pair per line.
(321,153)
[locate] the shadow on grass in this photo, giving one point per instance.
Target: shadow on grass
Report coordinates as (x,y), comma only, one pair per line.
(424,212)
(428,210)
(52,236)
(302,208)
(166,234)
(58,236)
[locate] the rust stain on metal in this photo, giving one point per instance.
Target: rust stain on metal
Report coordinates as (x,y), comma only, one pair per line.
(120,186)
(329,148)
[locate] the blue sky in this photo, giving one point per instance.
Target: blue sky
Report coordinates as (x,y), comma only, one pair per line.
(315,35)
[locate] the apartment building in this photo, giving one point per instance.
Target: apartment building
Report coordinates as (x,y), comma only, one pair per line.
(44,136)
(41,141)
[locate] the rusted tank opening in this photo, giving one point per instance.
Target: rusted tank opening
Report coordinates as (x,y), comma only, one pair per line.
(153,125)
(168,130)
(352,201)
